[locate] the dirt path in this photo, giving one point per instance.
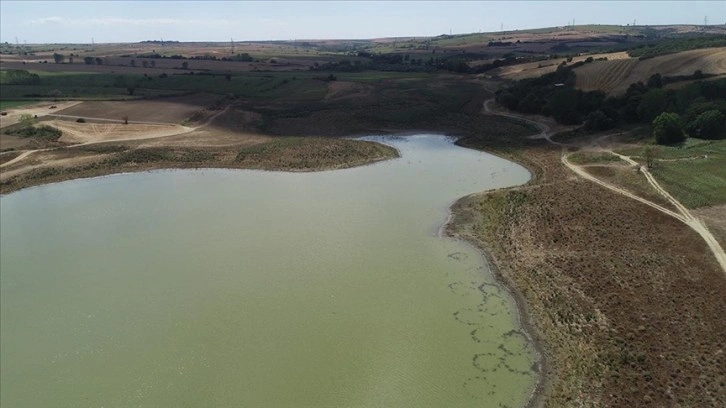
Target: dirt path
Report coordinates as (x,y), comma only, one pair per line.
(545,133)
(683,214)
(582,173)
(21,157)
(183,130)
(693,222)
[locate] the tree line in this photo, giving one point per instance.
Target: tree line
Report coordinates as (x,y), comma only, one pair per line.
(697,109)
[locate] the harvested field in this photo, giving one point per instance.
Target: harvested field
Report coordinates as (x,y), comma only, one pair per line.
(74,132)
(536,69)
(629,300)
(164,110)
(614,77)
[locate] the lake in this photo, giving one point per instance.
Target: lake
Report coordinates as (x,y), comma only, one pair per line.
(232,288)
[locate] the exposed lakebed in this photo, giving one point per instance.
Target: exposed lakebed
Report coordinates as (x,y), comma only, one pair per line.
(236,288)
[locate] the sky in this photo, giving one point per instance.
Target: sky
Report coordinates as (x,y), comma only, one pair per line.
(131,21)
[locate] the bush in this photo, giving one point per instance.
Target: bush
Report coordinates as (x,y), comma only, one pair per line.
(81,120)
(668,129)
(43,131)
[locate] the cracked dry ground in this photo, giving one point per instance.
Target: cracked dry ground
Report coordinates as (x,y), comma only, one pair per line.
(628,302)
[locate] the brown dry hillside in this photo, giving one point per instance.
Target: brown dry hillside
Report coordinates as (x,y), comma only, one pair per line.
(165,110)
(539,68)
(614,77)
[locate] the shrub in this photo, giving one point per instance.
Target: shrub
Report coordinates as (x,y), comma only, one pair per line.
(43,131)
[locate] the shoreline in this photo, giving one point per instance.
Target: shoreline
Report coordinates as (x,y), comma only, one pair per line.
(445,230)
(524,315)
(76,173)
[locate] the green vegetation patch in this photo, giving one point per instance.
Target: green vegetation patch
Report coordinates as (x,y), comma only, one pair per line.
(305,153)
(42,131)
(593,158)
(694,173)
(694,182)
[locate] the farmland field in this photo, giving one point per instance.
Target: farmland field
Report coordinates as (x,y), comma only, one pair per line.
(164,110)
(615,76)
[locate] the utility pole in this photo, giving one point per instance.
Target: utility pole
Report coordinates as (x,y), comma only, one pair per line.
(705,21)
(501,28)
(231,45)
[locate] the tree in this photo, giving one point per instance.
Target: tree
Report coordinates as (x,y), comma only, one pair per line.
(125,118)
(563,107)
(709,125)
(70,60)
(655,81)
(153,63)
(99,61)
(598,120)
(58,58)
(668,129)
(654,102)
(133,63)
(185,65)
(145,64)
(88,60)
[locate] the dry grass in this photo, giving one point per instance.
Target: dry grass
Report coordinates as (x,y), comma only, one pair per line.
(629,301)
(614,77)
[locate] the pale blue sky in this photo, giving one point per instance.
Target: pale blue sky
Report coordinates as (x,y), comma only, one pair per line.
(124,21)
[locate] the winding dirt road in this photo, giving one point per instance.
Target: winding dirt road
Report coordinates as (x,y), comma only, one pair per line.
(683,214)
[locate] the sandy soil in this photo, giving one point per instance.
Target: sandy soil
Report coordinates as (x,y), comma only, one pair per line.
(40,109)
(74,133)
(715,218)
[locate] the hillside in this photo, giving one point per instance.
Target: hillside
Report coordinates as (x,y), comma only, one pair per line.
(614,76)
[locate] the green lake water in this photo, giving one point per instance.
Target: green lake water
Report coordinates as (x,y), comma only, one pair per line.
(228,288)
